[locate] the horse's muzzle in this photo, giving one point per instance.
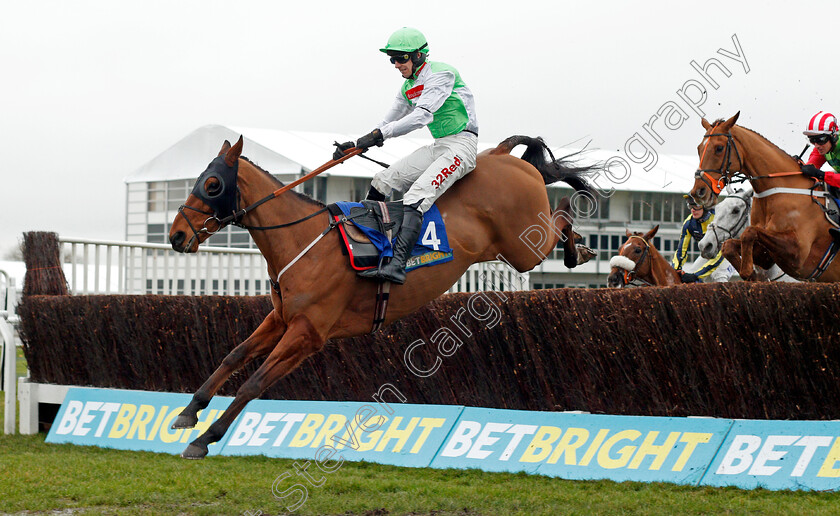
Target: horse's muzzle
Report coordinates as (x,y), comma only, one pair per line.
(177,241)
(616,279)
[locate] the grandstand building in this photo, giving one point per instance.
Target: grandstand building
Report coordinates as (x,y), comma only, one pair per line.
(644,199)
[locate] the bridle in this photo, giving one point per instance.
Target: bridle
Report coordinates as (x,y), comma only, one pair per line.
(630,276)
(727,175)
(724,170)
(235,218)
(739,225)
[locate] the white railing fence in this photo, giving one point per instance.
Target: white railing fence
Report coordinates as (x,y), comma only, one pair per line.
(115,267)
(8,349)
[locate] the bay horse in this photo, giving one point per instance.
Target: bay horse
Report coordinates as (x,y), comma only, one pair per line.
(732,215)
(491,213)
(639,260)
(787,226)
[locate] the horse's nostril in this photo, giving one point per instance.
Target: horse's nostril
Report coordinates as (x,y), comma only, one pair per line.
(177,239)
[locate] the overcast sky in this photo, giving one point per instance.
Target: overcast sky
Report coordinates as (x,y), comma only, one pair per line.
(92,90)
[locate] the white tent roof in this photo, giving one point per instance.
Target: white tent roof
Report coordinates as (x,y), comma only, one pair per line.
(290,152)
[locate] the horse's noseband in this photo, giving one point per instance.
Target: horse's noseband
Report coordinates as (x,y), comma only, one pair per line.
(702,174)
(630,276)
(222,200)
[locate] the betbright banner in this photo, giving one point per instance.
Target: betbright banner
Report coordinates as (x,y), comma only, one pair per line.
(584,446)
(690,451)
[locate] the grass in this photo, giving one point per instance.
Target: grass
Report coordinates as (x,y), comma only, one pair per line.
(40,477)
(21,363)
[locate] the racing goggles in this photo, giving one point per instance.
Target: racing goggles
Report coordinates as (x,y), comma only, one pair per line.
(691,203)
(819,139)
(401,58)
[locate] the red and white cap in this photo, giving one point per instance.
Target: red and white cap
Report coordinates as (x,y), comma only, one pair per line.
(821,123)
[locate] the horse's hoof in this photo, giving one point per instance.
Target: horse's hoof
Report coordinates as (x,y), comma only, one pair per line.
(183,421)
(194,452)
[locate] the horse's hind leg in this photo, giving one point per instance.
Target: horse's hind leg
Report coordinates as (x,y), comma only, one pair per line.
(260,343)
(300,341)
(782,247)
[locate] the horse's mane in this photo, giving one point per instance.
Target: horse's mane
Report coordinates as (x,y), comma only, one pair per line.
(766,140)
(721,120)
(276,181)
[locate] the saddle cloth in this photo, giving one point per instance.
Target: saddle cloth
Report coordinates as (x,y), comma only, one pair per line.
(366,244)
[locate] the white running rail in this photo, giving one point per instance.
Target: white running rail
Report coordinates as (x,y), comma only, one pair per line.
(116,267)
(8,351)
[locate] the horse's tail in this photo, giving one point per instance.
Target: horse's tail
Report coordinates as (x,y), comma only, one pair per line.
(551,169)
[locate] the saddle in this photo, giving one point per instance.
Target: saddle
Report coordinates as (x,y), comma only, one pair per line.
(364,226)
(831,208)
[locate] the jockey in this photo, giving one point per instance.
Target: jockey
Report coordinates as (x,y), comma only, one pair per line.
(822,132)
(435,96)
(695,227)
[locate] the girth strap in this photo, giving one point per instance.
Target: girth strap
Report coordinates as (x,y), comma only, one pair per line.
(384,289)
(827,258)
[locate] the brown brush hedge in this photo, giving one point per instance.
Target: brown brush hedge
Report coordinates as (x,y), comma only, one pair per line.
(767,350)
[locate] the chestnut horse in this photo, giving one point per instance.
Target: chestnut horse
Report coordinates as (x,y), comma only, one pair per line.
(639,260)
(787,227)
(488,214)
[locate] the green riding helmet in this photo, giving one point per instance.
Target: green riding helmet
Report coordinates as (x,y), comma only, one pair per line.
(406,40)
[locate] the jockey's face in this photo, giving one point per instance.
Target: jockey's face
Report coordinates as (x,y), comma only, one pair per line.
(823,148)
(821,142)
(406,68)
(696,212)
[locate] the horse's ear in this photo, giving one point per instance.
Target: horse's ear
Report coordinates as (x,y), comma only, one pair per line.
(627,232)
(233,153)
(706,124)
(225,148)
(650,234)
(729,123)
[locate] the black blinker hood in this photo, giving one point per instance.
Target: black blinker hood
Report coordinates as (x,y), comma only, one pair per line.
(222,202)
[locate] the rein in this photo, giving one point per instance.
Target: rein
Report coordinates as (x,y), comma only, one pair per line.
(236,217)
(717,184)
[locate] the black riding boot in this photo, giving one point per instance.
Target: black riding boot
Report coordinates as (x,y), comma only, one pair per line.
(374,195)
(394,271)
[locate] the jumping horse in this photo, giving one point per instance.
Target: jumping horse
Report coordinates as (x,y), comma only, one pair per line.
(488,214)
(787,225)
(639,260)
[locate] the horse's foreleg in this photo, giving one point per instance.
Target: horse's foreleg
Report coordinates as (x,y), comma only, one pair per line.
(731,250)
(300,341)
(260,343)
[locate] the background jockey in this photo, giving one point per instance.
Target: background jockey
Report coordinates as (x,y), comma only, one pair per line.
(822,132)
(695,227)
(433,95)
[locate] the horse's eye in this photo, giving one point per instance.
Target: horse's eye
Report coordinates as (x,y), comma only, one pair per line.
(213,186)
(719,149)
(637,250)
(736,211)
